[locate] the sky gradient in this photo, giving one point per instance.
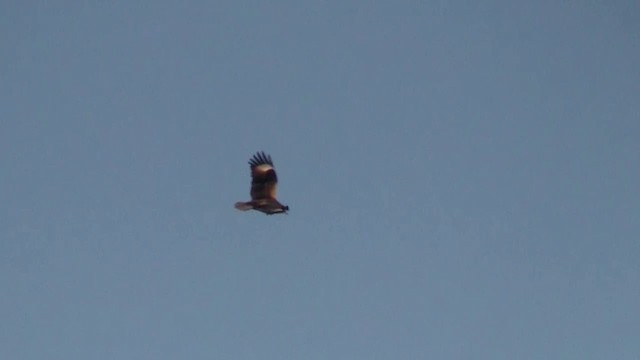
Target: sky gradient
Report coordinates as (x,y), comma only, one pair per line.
(463,180)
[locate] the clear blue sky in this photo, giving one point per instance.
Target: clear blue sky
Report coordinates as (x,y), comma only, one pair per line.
(463,180)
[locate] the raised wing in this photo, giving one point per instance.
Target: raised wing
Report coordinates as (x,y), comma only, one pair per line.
(263,177)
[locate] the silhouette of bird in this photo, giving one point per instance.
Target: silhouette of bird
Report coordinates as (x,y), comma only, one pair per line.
(263,187)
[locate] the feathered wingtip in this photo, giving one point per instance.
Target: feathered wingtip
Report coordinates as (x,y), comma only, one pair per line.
(260,158)
(243,206)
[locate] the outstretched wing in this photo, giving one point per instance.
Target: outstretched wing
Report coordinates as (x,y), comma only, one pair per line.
(263,177)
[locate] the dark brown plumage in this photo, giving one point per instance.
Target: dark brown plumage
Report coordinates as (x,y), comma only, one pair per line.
(263,187)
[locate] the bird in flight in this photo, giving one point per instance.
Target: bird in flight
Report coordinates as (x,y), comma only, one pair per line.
(263,187)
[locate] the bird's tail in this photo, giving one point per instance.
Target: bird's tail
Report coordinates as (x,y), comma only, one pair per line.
(243,206)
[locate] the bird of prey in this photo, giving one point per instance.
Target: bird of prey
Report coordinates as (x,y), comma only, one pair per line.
(263,187)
